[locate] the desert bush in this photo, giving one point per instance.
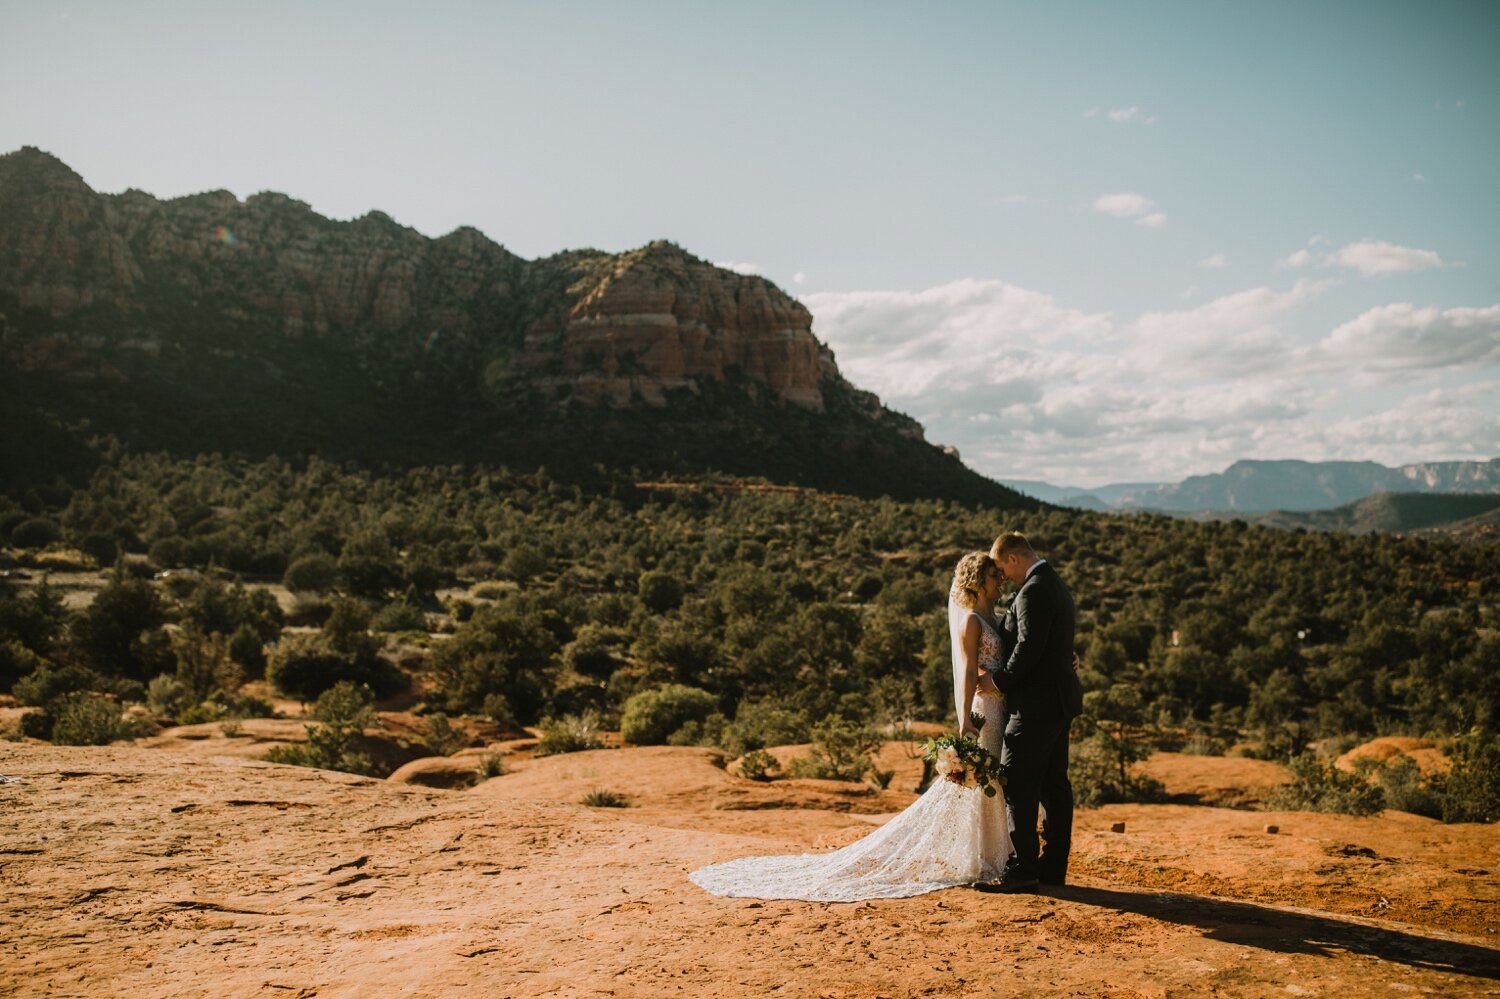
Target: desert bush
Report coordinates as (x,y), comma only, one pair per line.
(491,765)
(660,591)
(120,632)
(168,696)
(16,662)
(1408,790)
(203,663)
(503,650)
(759,724)
(841,750)
(523,562)
(1318,786)
(441,738)
(1472,790)
(596,651)
(52,681)
(1098,778)
(758,765)
(651,716)
(399,616)
(344,710)
(708,732)
(569,734)
(605,799)
(38,532)
(83,719)
(248,649)
(304,666)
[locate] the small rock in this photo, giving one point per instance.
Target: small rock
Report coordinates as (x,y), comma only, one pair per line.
(1273,830)
(1118,827)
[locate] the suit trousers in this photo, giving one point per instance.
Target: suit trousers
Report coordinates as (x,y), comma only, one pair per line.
(1035,757)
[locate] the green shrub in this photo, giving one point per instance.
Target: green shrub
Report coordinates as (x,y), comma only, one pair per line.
(708,732)
(491,765)
(659,591)
(605,799)
(1101,774)
(1407,790)
(168,696)
(651,716)
(569,734)
(596,651)
(758,724)
(1319,786)
(841,750)
(344,710)
(399,616)
(503,650)
(441,738)
(38,532)
(1472,789)
(16,663)
(304,666)
(50,682)
(758,765)
(82,719)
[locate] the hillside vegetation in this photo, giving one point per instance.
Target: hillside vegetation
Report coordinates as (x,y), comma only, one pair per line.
(784,609)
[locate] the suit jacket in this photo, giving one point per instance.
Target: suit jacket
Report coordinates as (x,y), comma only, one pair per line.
(1037,677)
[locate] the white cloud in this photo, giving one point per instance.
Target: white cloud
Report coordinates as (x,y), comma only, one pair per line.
(1373,257)
(1419,177)
(1124,114)
(1300,258)
(1399,339)
(1130,205)
(1027,386)
(1215,262)
(1124,205)
(1091,113)
(799,278)
(738,267)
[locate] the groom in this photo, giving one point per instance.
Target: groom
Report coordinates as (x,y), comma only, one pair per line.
(1042,697)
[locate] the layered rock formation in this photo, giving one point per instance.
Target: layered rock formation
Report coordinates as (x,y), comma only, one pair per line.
(211,323)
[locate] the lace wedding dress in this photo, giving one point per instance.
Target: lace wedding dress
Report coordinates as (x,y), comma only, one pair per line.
(949,836)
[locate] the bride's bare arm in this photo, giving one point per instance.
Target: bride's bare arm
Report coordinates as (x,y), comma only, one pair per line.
(971,675)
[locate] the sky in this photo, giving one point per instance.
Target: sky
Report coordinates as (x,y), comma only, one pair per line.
(1081,242)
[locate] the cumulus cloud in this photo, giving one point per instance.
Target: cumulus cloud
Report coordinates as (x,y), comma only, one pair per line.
(1215,262)
(1399,339)
(738,267)
(1027,386)
(799,278)
(1373,257)
(1125,114)
(1291,261)
(1130,205)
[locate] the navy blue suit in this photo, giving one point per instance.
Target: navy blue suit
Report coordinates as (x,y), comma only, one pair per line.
(1042,697)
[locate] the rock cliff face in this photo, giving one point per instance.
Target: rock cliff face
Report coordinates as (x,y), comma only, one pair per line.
(658,319)
(210,323)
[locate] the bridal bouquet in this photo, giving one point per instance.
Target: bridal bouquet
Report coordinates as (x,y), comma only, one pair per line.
(965,762)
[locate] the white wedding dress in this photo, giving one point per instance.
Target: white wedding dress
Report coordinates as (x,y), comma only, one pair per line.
(950,836)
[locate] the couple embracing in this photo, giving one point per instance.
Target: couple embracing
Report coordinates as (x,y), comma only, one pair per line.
(1017,672)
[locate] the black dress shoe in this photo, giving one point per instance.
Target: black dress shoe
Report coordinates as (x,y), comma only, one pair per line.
(1008,884)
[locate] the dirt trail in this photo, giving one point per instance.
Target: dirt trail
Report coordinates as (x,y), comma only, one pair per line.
(129,871)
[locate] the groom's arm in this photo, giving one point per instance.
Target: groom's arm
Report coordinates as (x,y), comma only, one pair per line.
(1035,613)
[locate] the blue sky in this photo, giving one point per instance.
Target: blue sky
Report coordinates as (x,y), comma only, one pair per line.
(1081,242)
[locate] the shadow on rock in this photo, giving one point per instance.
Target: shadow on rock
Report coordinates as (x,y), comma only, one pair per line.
(1267,928)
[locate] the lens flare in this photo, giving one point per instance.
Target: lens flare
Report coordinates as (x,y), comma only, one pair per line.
(226,235)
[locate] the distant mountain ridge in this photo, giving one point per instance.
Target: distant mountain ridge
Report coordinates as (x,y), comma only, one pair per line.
(207,323)
(1256,486)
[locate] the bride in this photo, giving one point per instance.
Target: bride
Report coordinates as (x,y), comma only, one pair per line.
(951,835)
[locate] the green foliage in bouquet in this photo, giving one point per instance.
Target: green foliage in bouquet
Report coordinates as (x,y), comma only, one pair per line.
(964,761)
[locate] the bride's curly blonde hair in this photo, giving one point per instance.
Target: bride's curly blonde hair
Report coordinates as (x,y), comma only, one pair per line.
(968,577)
